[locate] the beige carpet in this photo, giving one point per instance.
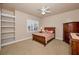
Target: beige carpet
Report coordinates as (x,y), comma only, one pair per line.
(29,47)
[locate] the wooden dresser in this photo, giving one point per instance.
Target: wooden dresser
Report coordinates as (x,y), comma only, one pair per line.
(74,42)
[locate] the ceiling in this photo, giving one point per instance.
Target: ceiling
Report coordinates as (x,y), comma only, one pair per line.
(31,8)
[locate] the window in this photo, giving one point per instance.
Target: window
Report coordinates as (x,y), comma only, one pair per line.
(32,25)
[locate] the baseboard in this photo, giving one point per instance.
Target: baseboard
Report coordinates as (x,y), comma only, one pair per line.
(59,38)
(15,41)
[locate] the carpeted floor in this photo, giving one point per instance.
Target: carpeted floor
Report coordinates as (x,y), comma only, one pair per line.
(30,47)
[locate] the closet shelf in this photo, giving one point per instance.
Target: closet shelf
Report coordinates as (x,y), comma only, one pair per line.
(8,32)
(7,26)
(7,38)
(7,41)
(7,15)
(8,21)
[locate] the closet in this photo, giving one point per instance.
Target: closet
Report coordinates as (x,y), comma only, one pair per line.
(7,26)
(68,28)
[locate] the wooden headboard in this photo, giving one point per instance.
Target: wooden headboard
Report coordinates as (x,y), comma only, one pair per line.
(50,29)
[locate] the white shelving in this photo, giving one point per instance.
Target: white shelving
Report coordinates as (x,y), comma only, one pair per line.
(8,21)
(7,40)
(7,15)
(8,32)
(7,26)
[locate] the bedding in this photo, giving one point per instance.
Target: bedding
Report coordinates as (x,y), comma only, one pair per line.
(44,37)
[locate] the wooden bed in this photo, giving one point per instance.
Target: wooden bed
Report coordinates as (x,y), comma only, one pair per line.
(42,39)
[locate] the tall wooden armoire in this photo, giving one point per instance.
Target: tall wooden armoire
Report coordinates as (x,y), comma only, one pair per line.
(69,27)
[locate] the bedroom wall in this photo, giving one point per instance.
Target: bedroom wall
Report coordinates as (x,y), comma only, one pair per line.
(58,20)
(20,25)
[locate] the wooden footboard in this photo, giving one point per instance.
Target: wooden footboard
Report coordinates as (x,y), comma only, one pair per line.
(40,39)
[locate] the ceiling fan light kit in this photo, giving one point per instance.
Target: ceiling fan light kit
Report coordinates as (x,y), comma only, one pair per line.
(43,13)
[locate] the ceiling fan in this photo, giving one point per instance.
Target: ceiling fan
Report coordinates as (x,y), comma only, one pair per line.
(44,10)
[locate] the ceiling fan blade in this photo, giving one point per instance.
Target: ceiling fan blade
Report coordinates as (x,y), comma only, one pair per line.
(48,11)
(43,9)
(39,10)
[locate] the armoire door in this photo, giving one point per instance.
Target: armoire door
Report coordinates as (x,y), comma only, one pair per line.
(66,32)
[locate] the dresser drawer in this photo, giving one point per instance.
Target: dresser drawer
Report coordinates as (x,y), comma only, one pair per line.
(75,47)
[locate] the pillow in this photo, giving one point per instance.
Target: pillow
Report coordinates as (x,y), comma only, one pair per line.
(48,31)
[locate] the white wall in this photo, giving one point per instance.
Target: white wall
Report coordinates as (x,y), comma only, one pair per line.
(58,20)
(20,24)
